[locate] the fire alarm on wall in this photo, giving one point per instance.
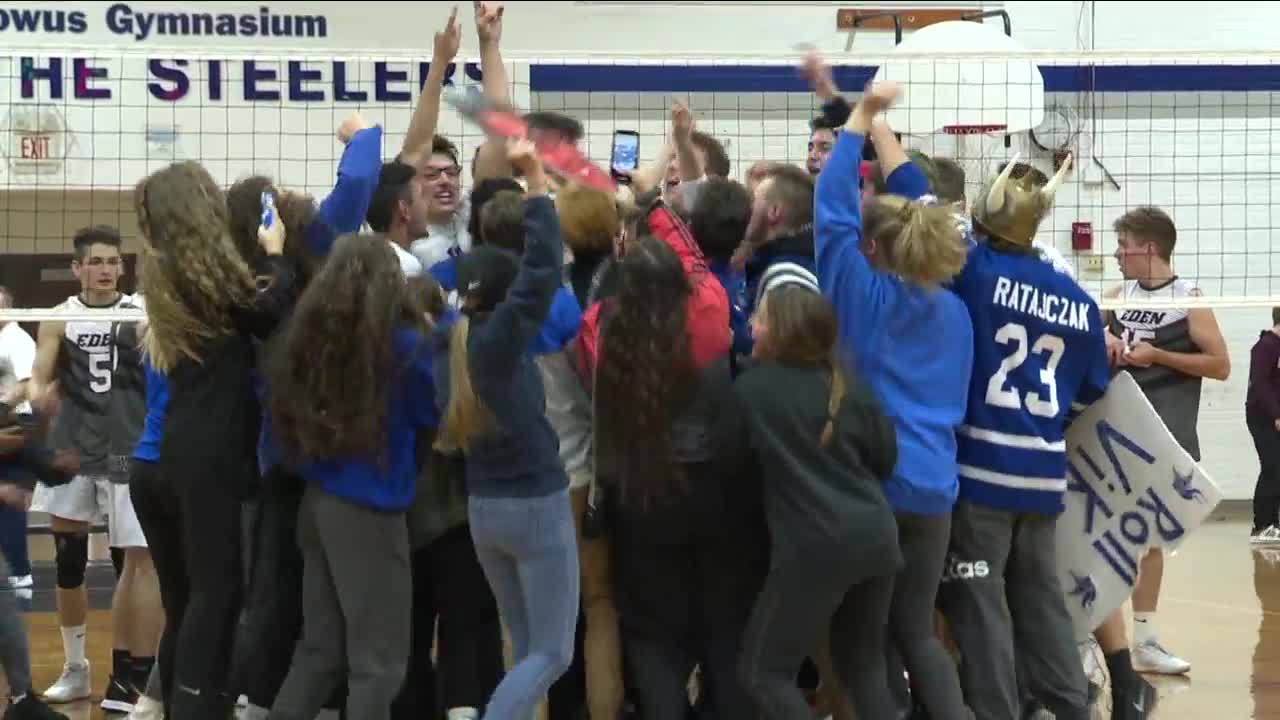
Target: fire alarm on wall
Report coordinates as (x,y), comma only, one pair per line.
(1081,236)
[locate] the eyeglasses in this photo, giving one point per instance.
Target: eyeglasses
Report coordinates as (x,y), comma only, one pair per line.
(431,174)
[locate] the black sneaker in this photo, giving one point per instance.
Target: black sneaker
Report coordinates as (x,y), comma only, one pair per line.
(32,708)
(120,697)
(1138,702)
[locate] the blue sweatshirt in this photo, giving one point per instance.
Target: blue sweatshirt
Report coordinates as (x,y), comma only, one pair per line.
(520,456)
(735,287)
(342,212)
(412,407)
(912,346)
(148,449)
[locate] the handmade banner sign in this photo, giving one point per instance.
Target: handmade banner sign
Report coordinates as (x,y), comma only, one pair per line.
(1130,486)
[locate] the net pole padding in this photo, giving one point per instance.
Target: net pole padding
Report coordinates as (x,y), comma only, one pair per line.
(26,315)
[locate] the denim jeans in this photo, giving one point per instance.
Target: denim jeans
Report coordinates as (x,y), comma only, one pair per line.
(528,549)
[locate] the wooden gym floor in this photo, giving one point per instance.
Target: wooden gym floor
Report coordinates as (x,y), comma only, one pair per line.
(1220,610)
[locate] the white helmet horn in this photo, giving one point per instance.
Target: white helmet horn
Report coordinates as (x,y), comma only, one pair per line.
(1048,192)
(995,196)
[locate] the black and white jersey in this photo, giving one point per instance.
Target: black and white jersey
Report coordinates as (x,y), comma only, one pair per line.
(1174,395)
(86,376)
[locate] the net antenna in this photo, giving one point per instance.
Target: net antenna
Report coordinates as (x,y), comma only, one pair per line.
(967,87)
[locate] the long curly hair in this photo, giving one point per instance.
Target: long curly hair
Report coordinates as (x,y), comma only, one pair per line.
(645,376)
(195,273)
(332,368)
(295,210)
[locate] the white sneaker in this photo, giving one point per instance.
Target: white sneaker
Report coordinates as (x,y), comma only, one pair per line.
(25,581)
(74,684)
(1269,535)
(147,709)
(1152,658)
(1090,651)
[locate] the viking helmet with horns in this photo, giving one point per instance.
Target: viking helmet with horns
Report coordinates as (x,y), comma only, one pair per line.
(1011,210)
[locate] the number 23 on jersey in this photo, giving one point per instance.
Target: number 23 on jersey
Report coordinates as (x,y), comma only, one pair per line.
(1040,401)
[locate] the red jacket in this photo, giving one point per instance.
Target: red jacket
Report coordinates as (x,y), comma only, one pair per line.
(707,308)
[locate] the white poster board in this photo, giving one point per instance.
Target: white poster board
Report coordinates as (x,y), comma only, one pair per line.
(1130,486)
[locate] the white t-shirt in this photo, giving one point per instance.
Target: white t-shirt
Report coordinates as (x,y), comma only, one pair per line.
(17,357)
(443,241)
(409,264)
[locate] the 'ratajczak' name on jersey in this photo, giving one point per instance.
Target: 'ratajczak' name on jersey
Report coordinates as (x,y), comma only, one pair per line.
(1030,300)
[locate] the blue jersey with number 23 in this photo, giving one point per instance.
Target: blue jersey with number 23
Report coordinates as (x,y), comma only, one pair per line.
(1039,348)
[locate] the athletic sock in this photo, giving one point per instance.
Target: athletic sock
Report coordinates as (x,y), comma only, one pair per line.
(141,672)
(1120,668)
(1144,628)
(121,665)
(73,645)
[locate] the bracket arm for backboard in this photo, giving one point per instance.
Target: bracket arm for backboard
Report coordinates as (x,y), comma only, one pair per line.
(1002,14)
(897,23)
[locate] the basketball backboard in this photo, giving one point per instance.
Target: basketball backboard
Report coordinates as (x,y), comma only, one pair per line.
(963,74)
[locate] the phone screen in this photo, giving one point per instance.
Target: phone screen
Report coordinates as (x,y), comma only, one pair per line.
(626,151)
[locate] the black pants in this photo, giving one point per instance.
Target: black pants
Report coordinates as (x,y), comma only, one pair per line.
(1266,494)
(687,574)
(193,533)
(449,586)
(808,593)
(272,618)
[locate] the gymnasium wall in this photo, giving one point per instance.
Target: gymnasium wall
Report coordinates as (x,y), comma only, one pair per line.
(1195,133)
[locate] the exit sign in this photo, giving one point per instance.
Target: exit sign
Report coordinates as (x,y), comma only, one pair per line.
(34,147)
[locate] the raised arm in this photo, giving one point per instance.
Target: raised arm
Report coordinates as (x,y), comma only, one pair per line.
(837,228)
(426,117)
(519,317)
(901,175)
(343,211)
(491,161)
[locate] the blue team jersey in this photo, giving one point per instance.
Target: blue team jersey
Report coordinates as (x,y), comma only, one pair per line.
(1039,348)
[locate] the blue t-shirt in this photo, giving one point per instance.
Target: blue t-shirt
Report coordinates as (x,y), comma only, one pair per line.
(148,449)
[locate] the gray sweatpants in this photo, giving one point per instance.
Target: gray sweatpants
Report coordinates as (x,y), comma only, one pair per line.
(1000,590)
(356,605)
(15,652)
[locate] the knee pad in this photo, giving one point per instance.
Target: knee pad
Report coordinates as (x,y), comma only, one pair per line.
(71,555)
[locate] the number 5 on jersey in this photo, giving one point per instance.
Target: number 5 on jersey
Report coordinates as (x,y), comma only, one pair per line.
(1016,334)
(100,372)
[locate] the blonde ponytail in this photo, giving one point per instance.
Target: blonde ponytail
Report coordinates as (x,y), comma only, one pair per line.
(921,243)
(833,405)
(465,417)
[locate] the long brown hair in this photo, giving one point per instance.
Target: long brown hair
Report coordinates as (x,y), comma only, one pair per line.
(802,332)
(195,273)
(922,243)
(645,374)
(332,369)
(465,417)
(295,210)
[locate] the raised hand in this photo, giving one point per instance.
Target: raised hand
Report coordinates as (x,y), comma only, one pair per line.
(349,127)
(880,97)
(815,69)
(523,156)
(488,22)
(681,121)
(448,40)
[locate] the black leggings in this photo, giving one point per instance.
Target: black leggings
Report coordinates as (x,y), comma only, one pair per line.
(805,596)
(193,532)
(1266,494)
(449,585)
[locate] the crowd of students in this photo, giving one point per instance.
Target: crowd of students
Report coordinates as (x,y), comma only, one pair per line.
(744,436)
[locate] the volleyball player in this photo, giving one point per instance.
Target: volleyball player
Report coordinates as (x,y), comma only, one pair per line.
(1169,352)
(77,360)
